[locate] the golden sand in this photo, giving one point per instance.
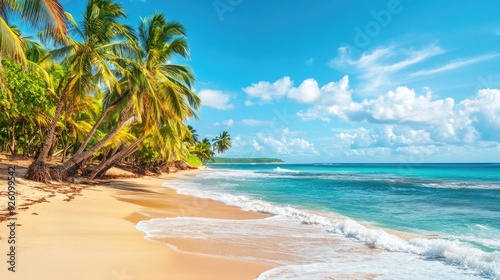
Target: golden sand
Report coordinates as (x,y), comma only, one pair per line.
(88,232)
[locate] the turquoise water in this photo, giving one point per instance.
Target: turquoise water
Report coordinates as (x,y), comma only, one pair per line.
(461,200)
(326,216)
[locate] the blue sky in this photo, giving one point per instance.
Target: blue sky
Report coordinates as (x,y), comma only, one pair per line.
(343,81)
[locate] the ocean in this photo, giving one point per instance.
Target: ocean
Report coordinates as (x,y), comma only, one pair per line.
(382,221)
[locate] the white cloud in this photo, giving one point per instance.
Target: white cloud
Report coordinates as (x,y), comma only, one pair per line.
(256,145)
(454,65)
(432,121)
(400,106)
(215,99)
(310,61)
(253,122)
(387,67)
(286,144)
(483,114)
(404,105)
(307,92)
(473,124)
(227,123)
(418,150)
(385,136)
(249,103)
(267,92)
(377,68)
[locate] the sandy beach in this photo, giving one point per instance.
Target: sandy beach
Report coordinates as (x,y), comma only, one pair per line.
(88,232)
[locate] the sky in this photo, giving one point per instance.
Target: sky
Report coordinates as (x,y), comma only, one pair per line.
(342,81)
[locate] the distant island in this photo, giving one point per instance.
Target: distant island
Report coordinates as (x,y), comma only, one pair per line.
(244,160)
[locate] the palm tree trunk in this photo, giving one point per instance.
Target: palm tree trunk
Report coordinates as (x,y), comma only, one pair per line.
(119,159)
(71,165)
(13,144)
(97,124)
(103,166)
(38,171)
(47,144)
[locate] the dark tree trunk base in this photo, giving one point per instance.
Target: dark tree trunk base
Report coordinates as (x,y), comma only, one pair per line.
(72,172)
(57,173)
(38,171)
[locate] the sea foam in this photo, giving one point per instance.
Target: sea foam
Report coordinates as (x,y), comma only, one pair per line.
(448,251)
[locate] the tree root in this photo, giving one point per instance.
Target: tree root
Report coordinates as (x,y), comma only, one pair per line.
(38,171)
(57,173)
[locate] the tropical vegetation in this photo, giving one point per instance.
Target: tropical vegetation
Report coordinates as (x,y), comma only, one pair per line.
(97,93)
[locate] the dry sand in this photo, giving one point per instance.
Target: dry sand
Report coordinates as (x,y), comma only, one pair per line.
(74,231)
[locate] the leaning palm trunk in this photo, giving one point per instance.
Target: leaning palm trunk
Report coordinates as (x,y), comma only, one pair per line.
(72,164)
(38,170)
(105,165)
(96,125)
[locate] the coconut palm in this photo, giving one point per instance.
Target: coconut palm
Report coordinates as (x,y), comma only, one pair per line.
(91,62)
(194,136)
(43,14)
(202,150)
(161,95)
(222,142)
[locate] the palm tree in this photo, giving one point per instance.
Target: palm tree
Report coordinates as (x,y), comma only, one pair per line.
(161,92)
(203,150)
(93,60)
(194,135)
(222,142)
(44,14)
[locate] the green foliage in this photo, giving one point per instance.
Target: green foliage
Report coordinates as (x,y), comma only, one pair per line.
(202,150)
(244,160)
(222,143)
(148,155)
(193,160)
(25,107)
(25,93)
(109,93)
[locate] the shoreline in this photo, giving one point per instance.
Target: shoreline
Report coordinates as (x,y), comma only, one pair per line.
(93,234)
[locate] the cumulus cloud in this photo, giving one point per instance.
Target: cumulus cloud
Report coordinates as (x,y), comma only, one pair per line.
(307,92)
(483,114)
(402,105)
(256,145)
(385,136)
(267,92)
(402,121)
(286,144)
(215,99)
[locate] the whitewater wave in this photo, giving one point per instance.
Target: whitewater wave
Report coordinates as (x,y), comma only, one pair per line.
(284,170)
(278,172)
(449,251)
(462,185)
